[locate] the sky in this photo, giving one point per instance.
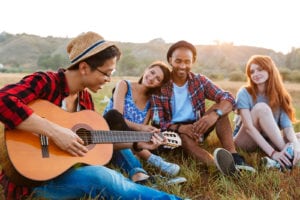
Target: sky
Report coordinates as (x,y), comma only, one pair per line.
(272,24)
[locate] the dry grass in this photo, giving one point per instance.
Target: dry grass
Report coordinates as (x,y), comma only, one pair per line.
(207,183)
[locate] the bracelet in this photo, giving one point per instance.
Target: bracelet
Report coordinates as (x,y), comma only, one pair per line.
(273,152)
(135,147)
(177,128)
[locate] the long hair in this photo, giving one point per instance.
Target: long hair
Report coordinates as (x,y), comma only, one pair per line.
(276,93)
(166,72)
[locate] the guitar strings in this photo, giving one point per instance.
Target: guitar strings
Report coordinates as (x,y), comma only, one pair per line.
(122,136)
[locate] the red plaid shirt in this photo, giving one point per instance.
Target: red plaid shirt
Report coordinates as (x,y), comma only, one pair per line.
(51,86)
(200,88)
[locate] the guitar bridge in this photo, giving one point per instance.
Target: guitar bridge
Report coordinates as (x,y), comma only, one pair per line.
(44,146)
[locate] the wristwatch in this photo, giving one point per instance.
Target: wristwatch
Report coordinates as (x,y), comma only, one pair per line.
(219,112)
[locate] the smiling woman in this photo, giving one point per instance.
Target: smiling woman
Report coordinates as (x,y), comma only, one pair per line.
(266,114)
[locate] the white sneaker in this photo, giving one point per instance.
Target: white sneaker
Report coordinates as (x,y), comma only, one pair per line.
(270,163)
(224,161)
(170,169)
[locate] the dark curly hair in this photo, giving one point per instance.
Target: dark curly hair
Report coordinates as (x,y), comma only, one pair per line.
(182,44)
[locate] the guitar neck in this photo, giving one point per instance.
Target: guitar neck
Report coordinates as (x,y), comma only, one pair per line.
(103,136)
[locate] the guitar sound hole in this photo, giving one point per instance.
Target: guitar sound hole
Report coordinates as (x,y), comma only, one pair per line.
(85,135)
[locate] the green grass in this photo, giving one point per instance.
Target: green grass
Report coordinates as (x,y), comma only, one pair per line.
(208,184)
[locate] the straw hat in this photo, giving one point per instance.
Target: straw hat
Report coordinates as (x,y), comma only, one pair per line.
(85,45)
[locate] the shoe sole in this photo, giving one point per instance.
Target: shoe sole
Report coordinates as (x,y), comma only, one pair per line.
(172,181)
(224,161)
(245,168)
(176,180)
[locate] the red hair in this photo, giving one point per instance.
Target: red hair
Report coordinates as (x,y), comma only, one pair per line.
(276,93)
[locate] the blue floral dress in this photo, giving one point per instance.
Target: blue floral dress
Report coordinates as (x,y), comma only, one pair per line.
(131,112)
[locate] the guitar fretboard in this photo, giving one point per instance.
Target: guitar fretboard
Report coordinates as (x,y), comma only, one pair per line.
(99,136)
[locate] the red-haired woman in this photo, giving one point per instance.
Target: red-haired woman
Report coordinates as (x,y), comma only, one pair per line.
(266,114)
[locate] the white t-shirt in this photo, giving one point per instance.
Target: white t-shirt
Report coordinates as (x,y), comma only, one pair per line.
(181,103)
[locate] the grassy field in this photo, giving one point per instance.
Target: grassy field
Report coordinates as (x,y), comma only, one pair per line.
(207,183)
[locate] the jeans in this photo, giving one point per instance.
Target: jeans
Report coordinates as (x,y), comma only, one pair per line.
(96,182)
(124,159)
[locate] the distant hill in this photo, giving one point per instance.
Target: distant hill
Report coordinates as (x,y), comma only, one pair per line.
(24,51)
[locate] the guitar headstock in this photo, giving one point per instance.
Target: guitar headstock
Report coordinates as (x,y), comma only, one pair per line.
(173,139)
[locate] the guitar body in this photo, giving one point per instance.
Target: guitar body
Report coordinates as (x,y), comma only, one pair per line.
(23,162)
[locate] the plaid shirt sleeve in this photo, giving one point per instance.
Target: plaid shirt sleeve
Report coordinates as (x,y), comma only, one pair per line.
(213,92)
(160,111)
(15,97)
(202,88)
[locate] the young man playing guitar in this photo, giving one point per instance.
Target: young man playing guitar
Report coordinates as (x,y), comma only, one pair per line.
(93,62)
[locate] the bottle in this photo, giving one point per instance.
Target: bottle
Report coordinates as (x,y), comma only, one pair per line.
(155,119)
(290,151)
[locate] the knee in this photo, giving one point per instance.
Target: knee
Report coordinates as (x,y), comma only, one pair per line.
(261,109)
(112,114)
(115,120)
(187,142)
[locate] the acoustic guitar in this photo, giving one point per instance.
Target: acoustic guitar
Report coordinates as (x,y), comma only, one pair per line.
(30,159)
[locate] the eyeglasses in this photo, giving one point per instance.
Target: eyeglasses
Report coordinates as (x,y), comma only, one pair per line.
(106,74)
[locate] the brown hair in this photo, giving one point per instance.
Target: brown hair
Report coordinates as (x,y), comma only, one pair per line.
(167,76)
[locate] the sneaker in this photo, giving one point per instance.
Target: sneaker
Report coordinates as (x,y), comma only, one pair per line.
(241,164)
(224,161)
(270,163)
(156,180)
(170,169)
